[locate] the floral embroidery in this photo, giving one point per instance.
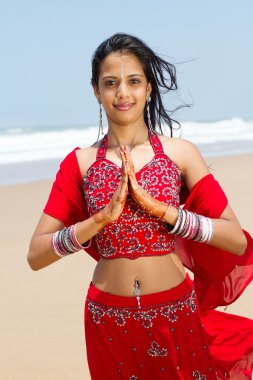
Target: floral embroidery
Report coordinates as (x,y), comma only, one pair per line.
(198,376)
(156,351)
(191,303)
(145,316)
(127,236)
(121,315)
(96,311)
(170,311)
(133,377)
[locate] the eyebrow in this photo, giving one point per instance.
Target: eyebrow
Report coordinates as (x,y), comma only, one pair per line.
(114,77)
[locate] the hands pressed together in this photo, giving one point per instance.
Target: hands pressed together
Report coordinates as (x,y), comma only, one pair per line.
(128,183)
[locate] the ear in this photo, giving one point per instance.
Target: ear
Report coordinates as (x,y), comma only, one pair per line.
(96,92)
(149,90)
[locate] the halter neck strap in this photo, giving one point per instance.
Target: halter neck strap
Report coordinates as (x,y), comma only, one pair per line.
(101,152)
(153,138)
(155,142)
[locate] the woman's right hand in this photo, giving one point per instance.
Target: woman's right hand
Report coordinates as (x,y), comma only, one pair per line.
(114,208)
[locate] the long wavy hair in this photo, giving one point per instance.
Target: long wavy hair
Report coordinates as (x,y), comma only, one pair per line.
(160,73)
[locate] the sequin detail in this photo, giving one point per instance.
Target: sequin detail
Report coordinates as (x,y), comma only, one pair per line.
(146,316)
(135,233)
(155,350)
(198,376)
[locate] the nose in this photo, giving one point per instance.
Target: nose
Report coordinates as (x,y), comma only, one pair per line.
(122,90)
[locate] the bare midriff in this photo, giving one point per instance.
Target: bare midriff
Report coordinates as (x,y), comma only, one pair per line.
(154,274)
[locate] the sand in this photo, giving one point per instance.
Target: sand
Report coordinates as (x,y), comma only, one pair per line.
(41,328)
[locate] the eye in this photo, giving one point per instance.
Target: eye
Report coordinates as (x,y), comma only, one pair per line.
(110,82)
(135,81)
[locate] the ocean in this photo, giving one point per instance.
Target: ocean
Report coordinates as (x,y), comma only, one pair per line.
(34,153)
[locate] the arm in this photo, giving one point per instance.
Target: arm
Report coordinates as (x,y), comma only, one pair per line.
(228,234)
(41,253)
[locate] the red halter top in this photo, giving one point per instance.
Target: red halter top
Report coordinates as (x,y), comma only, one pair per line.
(135,233)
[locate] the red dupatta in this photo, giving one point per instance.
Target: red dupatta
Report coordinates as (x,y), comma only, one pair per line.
(219,276)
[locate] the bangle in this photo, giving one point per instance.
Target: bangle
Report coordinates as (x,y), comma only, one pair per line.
(82,246)
(65,242)
(173,229)
(191,226)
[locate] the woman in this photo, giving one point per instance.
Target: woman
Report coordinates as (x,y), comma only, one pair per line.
(120,199)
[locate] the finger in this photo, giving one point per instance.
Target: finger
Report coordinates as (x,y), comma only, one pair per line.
(123,151)
(130,160)
(122,191)
(124,171)
(123,156)
(131,171)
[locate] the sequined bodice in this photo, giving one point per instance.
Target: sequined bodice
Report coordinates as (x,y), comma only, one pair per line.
(135,233)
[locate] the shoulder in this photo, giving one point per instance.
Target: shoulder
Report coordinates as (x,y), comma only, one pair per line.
(86,157)
(177,142)
(187,157)
(180,150)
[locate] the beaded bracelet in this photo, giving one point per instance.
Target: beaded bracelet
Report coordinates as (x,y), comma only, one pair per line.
(64,242)
(191,226)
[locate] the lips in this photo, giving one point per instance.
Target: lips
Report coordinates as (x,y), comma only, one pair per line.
(124,106)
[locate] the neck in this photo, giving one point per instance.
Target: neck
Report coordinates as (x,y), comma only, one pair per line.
(127,135)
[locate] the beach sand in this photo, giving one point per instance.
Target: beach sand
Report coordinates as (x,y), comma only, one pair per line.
(41,328)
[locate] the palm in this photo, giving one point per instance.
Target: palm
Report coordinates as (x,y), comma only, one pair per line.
(140,196)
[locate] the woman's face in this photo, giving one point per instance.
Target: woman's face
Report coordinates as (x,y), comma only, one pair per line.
(123,88)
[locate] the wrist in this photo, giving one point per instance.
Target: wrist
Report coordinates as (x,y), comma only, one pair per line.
(102,217)
(171,215)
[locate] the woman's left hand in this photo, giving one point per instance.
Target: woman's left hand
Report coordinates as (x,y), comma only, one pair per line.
(142,197)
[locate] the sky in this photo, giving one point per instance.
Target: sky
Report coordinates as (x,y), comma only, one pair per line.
(46,48)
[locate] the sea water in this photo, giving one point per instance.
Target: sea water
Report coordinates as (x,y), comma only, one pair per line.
(34,153)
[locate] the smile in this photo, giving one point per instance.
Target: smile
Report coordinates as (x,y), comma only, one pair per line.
(124,106)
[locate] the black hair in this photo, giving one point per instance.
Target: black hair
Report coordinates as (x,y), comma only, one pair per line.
(160,73)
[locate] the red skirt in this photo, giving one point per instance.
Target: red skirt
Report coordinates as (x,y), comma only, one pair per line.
(163,338)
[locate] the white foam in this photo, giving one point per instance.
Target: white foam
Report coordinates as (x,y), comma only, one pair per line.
(235,129)
(43,145)
(27,145)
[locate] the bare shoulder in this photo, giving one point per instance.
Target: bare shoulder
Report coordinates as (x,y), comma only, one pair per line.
(86,157)
(187,157)
(179,150)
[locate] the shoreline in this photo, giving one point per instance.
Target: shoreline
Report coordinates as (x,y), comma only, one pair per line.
(39,170)
(44,309)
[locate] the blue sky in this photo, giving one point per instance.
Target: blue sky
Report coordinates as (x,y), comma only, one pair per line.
(46,49)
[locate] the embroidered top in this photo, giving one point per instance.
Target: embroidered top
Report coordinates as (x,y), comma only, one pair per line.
(135,233)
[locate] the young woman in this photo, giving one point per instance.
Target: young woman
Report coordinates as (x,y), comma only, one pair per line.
(119,200)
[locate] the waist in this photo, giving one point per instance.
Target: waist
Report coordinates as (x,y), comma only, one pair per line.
(180,290)
(154,274)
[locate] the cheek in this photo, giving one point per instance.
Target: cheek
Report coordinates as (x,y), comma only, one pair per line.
(142,91)
(142,95)
(107,96)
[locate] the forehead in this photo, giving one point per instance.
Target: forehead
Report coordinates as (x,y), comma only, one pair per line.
(115,63)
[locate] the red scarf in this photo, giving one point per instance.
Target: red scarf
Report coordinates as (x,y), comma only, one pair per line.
(219,276)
